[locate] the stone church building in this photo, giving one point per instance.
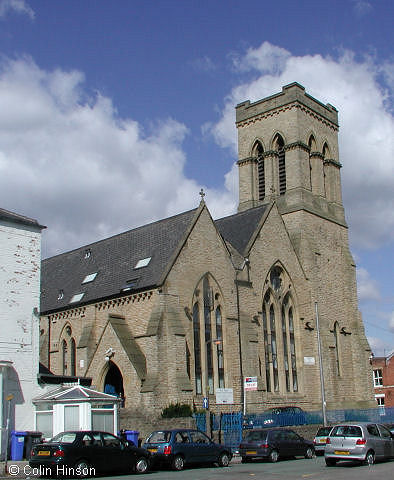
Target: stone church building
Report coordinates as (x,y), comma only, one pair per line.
(169,312)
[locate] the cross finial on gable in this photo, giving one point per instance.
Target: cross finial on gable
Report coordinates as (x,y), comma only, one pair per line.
(202,195)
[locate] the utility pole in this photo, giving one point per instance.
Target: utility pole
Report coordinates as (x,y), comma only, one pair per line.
(323,395)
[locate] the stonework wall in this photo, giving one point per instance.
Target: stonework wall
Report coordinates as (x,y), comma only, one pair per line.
(303,234)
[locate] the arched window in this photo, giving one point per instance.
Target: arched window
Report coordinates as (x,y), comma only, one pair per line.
(266,350)
(292,351)
(285,349)
(197,348)
(73,357)
(219,336)
(258,153)
(274,349)
(278,333)
(208,337)
(312,148)
(280,148)
(64,357)
(326,151)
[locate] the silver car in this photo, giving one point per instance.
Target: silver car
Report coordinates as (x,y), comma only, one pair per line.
(362,441)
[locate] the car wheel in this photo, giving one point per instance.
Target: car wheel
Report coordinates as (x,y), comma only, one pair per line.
(178,463)
(274,456)
(330,462)
(82,468)
(224,460)
(369,458)
(309,453)
(141,465)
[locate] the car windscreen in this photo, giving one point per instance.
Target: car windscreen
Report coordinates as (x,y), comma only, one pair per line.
(346,431)
(159,437)
(64,437)
(255,436)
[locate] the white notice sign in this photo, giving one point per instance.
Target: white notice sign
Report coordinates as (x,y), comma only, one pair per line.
(250,383)
(309,360)
(224,396)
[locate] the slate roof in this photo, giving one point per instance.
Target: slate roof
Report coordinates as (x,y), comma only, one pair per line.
(114,259)
(238,229)
(8,216)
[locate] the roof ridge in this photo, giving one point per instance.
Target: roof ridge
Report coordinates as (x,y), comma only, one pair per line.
(120,234)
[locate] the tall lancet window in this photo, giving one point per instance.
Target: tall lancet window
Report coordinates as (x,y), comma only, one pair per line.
(197,348)
(64,357)
(258,153)
(209,334)
(279,146)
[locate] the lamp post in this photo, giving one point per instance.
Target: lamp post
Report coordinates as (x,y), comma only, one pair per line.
(215,341)
(323,394)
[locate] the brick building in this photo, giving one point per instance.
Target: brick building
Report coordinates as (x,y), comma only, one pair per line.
(171,311)
(383,380)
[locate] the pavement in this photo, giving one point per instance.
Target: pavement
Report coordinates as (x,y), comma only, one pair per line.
(15,469)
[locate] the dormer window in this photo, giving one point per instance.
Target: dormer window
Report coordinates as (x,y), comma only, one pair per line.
(142,263)
(130,285)
(88,253)
(89,278)
(60,295)
(77,297)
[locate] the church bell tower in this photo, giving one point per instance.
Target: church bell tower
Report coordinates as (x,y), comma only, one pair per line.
(288,152)
(288,155)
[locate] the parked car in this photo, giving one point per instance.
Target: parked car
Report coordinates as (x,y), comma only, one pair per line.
(283,416)
(320,439)
(179,447)
(362,441)
(85,453)
(274,443)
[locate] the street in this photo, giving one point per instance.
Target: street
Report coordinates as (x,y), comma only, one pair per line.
(284,469)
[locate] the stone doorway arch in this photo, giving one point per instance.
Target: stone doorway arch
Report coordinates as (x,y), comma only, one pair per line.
(113,382)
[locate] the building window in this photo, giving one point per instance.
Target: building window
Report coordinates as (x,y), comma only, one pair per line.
(188,371)
(257,153)
(208,337)
(377,378)
(208,331)
(279,335)
(64,357)
(280,148)
(266,349)
(73,358)
(197,348)
(285,349)
(219,336)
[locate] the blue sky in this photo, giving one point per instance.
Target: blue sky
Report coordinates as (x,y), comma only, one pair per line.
(114,114)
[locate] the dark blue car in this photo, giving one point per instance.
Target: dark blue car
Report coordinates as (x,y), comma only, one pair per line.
(179,447)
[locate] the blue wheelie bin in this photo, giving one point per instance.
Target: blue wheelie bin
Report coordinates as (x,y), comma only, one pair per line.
(17,444)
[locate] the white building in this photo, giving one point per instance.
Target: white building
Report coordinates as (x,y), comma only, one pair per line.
(20,260)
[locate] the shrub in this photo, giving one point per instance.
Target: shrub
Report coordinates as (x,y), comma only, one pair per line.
(177,410)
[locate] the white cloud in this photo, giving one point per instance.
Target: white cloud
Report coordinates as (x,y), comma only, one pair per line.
(366,126)
(367,287)
(67,159)
(16,6)
(362,7)
(379,347)
(391,322)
